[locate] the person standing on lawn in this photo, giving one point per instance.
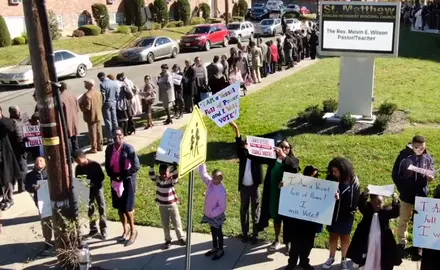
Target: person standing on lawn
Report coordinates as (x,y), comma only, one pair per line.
(167,200)
(411,184)
(92,171)
(250,176)
(340,170)
(109,90)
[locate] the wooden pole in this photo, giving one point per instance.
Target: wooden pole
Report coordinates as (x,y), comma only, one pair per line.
(227,12)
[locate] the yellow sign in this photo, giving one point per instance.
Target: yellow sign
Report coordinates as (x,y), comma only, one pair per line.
(194,144)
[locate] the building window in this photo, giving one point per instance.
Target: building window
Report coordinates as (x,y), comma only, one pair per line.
(120,18)
(82,20)
(60,22)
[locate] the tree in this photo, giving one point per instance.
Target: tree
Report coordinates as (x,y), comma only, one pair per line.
(161,11)
(184,11)
(138,19)
(100,14)
(206,10)
(240,8)
(133,12)
(5,37)
(55,31)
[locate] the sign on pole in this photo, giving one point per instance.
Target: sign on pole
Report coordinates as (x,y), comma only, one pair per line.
(359,29)
(426,228)
(194,144)
(169,147)
(307,198)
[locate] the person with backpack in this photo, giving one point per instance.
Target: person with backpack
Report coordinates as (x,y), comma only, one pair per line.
(123,105)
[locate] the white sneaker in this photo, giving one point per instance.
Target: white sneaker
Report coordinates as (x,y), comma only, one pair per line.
(328,264)
(344,265)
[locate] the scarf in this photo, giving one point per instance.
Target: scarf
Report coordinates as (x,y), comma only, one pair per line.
(373,261)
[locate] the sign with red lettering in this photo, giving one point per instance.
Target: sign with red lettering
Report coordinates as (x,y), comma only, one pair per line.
(261,147)
(33,136)
(224,106)
(426,228)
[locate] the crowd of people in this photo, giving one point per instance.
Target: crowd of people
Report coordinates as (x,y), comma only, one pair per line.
(419,16)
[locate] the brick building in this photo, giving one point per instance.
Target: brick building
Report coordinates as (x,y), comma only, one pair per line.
(69,12)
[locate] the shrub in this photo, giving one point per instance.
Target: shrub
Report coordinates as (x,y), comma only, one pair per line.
(153,11)
(312,115)
(330,105)
(55,32)
(123,29)
(5,37)
(214,21)
(133,28)
(291,15)
(24,35)
(90,30)
(154,26)
(240,8)
(174,24)
(347,121)
(78,33)
(133,13)
(387,108)
(161,11)
(381,122)
(184,11)
(196,20)
(237,19)
(100,14)
(206,10)
(18,41)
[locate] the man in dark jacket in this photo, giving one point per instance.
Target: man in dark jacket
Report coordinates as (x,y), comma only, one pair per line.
(409,183)
(313,43)
(250,176)
(17,142)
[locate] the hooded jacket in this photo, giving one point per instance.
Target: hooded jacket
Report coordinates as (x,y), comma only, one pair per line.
(411,184)
(346,206)
(32,179)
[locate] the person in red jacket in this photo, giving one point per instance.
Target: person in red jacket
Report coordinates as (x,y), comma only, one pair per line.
(274,56)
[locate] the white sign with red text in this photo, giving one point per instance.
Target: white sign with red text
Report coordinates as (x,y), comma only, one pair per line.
(261,147)
(33,136)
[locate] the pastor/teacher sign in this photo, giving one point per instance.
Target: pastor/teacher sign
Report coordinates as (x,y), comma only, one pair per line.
(224,106)
(307,198)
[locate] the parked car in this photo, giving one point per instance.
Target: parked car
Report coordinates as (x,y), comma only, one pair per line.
(67,64)
(293,24)
(304,10)
(149,49)
(203,36)
(276,5)
(259,11)
(269,27)
(292,8)
(240,30)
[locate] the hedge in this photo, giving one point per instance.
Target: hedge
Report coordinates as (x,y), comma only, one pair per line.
(196,20)
(100,14)
(206,10)
(133,15)
(161,12)
(174,24)
(90,30)
(5,37)
(240,8)
(19,41)
(184,11)
(238,19)
(123,29)
(133,28)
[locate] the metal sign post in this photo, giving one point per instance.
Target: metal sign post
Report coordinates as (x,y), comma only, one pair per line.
(189,221)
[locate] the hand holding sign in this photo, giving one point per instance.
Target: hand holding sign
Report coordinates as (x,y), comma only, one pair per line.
(430,174)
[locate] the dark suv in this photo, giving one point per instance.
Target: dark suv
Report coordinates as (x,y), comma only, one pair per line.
(203,36)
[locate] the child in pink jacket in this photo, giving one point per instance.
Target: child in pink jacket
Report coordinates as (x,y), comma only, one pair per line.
(215,206)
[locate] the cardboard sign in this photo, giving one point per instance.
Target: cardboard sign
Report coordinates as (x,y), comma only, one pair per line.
(33,135)
(223,107)
(169,147)
(426,227)
(386,191)
(44,206)
(307,198)
(261,147)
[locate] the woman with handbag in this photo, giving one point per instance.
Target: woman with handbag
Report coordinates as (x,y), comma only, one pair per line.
(123,105)
(166,91)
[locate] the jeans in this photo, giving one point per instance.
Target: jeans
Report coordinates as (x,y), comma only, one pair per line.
(110,119)
(98,196)
(217,237)
(249,196)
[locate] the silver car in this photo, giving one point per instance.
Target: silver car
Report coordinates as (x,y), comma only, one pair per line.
(149,49)
(239,31)
(269,27)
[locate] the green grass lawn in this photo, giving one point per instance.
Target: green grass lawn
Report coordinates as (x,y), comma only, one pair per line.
(409,82)
(90,44)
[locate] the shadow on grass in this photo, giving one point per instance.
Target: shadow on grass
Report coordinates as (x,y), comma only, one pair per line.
(105,45)
(419,45)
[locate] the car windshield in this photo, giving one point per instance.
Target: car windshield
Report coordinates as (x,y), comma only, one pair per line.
(267,22)
(25,62)
(146,42)
(200,30)
(234,26)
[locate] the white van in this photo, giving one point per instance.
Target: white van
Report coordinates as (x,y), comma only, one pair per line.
(274,5)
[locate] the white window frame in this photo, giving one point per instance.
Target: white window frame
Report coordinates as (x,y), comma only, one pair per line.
(60,21)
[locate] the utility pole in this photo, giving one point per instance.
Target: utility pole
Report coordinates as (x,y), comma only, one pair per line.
(41,53)
(227,12)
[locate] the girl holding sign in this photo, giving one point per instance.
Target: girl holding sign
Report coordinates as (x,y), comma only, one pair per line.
(341,170)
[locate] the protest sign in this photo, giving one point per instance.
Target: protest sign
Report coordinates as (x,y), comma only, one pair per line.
(307,198)
(177,79)
(261,147)
(224,106)
(426,227)
(423,171)
(386,191)
(33,136)
(44,206)
(169,147)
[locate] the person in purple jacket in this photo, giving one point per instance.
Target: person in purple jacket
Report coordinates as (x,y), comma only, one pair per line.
(214,210)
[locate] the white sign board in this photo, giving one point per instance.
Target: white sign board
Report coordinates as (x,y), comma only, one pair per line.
(426,172)
(426,227)
(169,147)
(44,205)
(33,136)
(359,28)
(386,191)
(307,198)
(224,106)
(261,147)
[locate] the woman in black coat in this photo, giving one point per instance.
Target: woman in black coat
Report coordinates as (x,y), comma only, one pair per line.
(188,86)
(358,250)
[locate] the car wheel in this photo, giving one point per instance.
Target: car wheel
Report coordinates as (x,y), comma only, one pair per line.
(239,39)
(81,71)
(207,45)
(174,53)
(150,58)
(225,42)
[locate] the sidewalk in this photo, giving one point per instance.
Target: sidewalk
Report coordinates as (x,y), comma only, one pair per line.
(21,240)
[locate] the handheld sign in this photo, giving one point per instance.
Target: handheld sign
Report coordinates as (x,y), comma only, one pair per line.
(224,106)
(44,206)
(307,198)
(169,147)
(194,144)
(261,147)
(426,172)
(33,135)
(426,229)
(386,191)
